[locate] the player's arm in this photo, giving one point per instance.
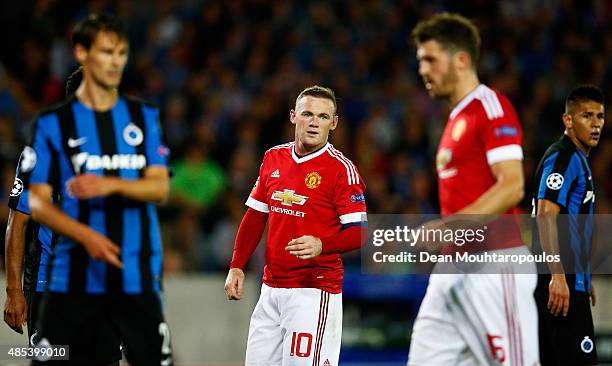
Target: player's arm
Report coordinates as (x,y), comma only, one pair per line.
(249,234)
(348,239)
(506,193)
(558,291)
(152,187)
(15,307)
(97,245)
(349,202)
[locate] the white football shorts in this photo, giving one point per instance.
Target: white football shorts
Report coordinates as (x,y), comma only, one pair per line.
(478,319)
(295,327)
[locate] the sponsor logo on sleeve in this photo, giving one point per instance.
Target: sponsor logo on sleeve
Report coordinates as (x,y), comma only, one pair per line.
(359,197)
(505,131)
(163,151)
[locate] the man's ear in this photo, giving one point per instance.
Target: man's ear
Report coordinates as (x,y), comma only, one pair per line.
(334,123)
(567,121)
(292,116)
(80,53)
(463,60)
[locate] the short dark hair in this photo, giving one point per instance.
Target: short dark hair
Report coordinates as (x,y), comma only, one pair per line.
(85,31)
(319,92)
(584,93)
(454,32)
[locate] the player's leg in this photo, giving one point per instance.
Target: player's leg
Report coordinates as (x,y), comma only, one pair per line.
(528,317)
(78,321)
(33,300)
(265,342)
(143,330)
(571,338)
(546,328)
(498,317)
(580,330)
(311,320)
(435,338)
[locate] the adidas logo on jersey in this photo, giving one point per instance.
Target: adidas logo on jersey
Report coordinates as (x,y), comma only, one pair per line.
(275,174)
(326,363)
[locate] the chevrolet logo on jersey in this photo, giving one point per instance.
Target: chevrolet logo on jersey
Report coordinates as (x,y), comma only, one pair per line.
(288,197)
(108,162)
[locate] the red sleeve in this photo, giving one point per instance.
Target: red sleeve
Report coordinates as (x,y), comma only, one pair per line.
(249,233)
(351,238)
(349,197)
(500,131)
(257,198)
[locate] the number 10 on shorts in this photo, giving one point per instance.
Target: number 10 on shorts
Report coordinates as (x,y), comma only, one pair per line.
(297,344)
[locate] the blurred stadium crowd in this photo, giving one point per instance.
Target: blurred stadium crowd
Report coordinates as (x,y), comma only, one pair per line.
(225,75)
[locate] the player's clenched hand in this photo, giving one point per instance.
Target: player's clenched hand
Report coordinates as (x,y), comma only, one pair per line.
(86,186)
(305,247)
(100,247)
(234,283)
(15,310)
(558,295)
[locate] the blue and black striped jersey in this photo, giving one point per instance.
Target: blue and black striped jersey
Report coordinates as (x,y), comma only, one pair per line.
(564,177)
(73,139)
(39,239)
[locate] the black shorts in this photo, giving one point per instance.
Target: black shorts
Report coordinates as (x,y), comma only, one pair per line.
(33,300)
(95,327)
(568,340)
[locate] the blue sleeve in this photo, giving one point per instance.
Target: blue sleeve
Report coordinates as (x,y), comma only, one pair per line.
(33,166)
(156,151)
(559,171)
(41,152)
(18,199)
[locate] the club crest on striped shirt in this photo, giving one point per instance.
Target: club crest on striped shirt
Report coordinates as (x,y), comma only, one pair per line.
(133,135)
(312,180)
(458,129)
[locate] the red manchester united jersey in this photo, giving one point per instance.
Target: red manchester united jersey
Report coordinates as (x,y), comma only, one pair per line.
(314,195)
(483,129)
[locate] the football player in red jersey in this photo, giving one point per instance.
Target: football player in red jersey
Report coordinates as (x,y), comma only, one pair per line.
(487,318)
(312,198)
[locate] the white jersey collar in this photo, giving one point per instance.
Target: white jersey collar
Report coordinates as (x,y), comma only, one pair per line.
(466,100)
(305,158)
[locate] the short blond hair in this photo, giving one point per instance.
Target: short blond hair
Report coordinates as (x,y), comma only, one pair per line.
(319,92)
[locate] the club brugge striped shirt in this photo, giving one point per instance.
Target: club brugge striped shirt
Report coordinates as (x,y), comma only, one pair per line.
(73,139)
(39,239)
(564,177)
